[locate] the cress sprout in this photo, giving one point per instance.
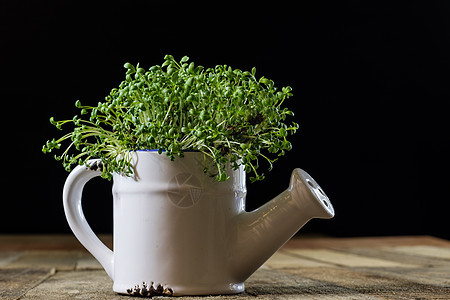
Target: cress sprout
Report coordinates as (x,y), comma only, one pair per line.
(227,114)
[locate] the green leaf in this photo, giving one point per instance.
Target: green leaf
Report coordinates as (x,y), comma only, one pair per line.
(289,112)
(202,115)
(222,177)
(189,82)
(264,80)
(191,68)
(184,59)
(168,57)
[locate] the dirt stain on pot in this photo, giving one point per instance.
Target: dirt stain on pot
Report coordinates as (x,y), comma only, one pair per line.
(149,290)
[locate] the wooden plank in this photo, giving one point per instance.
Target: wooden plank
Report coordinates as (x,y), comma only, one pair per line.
(427,251)
(46,242)
(283,259)
(88,262)
(8,257)
(14,283)
(293,284)
(306,242)
(60,260)
(439,277)
(343,259)
(74,285)
(373,284)
(389,253)
(427,269)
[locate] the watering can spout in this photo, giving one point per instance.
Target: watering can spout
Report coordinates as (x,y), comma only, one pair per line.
(263,231)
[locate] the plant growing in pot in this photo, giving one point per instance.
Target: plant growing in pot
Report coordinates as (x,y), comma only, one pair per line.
(178,139)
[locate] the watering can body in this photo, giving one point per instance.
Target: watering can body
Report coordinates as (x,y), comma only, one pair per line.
(179,232)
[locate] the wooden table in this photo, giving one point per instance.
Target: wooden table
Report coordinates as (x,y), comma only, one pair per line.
(57,267)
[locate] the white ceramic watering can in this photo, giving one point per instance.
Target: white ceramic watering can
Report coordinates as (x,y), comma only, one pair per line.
(179,232)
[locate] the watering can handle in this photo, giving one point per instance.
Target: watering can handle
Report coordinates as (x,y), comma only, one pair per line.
(72,192)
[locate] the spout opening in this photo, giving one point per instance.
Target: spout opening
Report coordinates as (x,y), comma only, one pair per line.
(321,199)
(320,195)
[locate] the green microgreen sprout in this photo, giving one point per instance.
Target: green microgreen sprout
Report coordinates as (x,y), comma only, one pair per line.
(229,115)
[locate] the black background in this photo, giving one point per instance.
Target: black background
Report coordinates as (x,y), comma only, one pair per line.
(370,82)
